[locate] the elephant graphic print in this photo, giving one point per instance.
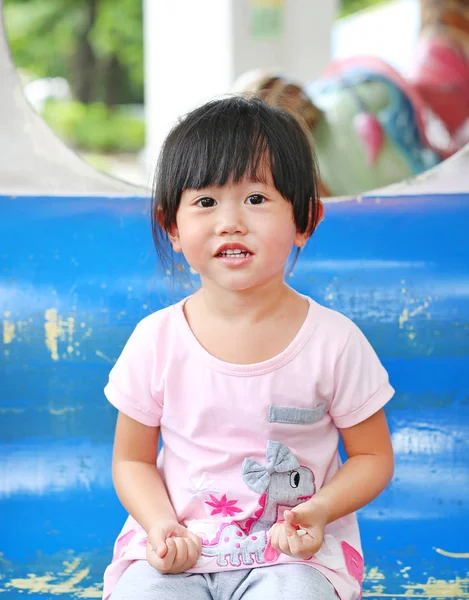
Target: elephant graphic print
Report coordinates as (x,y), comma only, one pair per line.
(281,482)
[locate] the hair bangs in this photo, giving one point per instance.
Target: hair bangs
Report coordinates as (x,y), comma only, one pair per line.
(222,152)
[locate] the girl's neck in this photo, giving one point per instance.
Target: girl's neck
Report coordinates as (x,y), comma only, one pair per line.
(248,306)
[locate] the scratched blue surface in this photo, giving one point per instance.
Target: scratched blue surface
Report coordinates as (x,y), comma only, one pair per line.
(398,267)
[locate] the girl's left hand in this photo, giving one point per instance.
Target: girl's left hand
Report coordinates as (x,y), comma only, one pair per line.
(284,536)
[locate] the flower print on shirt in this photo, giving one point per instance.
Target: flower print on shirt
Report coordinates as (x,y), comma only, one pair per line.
(201,487)
(223,507)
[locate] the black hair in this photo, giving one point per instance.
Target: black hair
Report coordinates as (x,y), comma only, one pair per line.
(226,140)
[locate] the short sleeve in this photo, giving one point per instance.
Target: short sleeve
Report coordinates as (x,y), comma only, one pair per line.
(131,380)
(361,385)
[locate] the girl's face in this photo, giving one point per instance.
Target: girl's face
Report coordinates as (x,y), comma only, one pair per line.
(238,236)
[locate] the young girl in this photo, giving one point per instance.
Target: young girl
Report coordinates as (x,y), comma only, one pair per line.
(248,382)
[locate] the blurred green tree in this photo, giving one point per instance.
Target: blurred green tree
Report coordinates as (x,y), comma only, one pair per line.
(348,7)
(97,45)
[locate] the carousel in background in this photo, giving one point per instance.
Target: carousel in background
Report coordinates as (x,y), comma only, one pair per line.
(370,125)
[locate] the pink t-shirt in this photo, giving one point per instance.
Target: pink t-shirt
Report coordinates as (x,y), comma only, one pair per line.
(242,442)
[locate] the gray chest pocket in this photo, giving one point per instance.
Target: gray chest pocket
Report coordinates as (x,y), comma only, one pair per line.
(294,415)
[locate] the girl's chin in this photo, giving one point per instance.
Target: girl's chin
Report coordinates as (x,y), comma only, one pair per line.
(238,283)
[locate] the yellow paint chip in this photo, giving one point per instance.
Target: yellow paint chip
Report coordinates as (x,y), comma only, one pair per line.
(378,589)
(374,574)
(452,554)
(405,569)
(419,309)
(48,583)
(8,332)
(61,411)
(58,330)
(52,331)
(403,318)
(68,581)
(439,588)
(71,566)
(103,356)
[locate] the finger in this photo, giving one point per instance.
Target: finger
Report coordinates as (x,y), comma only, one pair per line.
(152,557)
(289,517)
(273,536)
(303,547)
(284,544)
(162,549)
(158,551)
(290,529)
(181,551)
(294,542)
(168,561)
(193,554)
(157,541)
(295,518)
(197,541)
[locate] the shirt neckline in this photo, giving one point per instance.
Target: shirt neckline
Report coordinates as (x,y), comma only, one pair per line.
(252,369)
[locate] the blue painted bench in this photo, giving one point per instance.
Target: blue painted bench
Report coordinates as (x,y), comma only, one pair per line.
(76,274)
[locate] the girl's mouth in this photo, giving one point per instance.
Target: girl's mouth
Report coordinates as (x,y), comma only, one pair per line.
(235,257)
(234,254)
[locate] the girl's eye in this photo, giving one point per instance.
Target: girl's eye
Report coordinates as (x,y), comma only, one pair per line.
(255,199)
(206,202)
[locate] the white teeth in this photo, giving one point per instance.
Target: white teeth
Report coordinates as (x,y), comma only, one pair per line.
(235,253)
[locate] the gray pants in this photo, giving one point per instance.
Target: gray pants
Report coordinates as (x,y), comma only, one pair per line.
(278,582)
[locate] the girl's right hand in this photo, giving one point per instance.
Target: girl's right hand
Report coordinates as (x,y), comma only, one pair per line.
(171,548)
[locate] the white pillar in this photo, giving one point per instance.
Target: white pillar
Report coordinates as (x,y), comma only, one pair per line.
(195,49)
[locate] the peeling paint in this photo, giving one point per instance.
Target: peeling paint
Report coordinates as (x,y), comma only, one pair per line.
(439,588)
(71,566)
(12,411)
(65,582)
(8,332)
(12,329)
(61,330)
(458,588)
(404,317)
(419,309)
(374,574)
(407,314)
(52,331)
(103,356)
(70,580)
(71,330)
(377,590)
(452,554)
(62,411)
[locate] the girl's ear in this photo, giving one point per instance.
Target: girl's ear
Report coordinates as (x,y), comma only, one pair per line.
(173,233)
(302,238)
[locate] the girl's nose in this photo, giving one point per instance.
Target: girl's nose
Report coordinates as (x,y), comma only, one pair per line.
(230,222)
